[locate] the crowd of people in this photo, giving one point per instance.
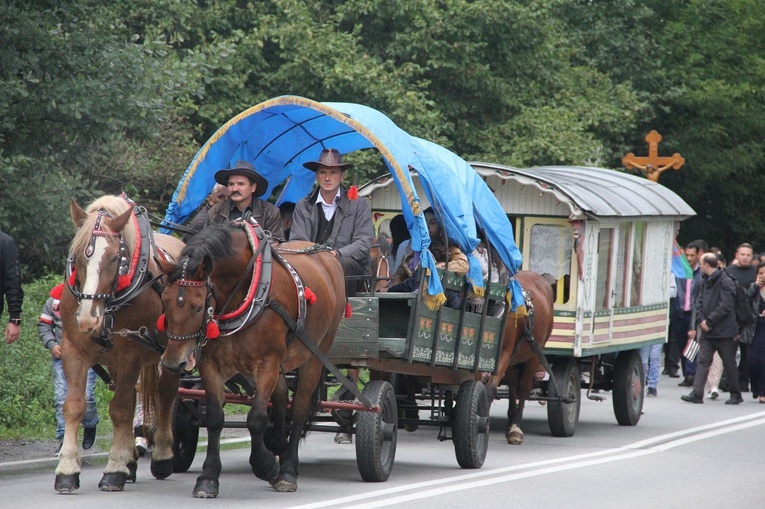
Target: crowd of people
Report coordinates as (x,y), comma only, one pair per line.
(712,345)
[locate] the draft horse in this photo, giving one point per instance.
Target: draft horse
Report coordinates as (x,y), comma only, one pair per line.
(109,315)
(520,359)
(230,310)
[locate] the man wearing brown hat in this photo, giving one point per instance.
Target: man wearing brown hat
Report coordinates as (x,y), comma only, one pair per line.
(245,186)
(328,216)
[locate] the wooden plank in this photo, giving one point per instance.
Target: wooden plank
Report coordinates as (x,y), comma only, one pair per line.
(357,336)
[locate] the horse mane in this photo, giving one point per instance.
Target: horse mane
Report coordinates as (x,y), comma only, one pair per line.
(213,242)
(114,206)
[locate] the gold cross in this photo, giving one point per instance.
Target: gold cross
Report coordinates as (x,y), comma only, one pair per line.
(653,165)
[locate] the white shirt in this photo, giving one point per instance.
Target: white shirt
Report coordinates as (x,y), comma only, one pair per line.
(329,208)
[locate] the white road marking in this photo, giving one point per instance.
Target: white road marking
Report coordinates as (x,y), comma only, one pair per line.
(470,481)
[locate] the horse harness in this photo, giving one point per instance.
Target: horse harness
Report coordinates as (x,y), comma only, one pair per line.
(141,281)
(263,255)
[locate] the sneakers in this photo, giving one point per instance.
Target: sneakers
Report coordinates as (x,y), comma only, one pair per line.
(652,392)
(714,393)
(735,399)
(142,445)
(89,438)
(692,398)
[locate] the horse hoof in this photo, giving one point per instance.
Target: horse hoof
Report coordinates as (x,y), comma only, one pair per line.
(113,481)
(67,483)
(132,468)
(284,486)
(161,469)
(269,475)
(514,435)
(206,488)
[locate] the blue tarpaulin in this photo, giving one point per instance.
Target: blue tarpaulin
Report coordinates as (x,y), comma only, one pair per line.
(279,135)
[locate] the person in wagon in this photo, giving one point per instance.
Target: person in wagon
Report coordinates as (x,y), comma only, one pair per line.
(334,217)
(245,187)
(406,279)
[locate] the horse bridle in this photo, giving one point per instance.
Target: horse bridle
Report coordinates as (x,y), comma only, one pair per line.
(90,251)
(210,298)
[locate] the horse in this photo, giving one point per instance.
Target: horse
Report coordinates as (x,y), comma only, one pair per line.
(379,265)
(519,361)
(109,315)
(304,296)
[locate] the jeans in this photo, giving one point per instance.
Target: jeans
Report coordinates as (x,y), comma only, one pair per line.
(60,387)
(651,357)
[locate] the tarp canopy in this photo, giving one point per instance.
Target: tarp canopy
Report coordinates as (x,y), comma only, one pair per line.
(280,134)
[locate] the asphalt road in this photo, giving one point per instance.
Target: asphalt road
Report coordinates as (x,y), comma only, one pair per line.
(680,455)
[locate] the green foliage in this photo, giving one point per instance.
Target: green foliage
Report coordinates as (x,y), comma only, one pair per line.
(26,392)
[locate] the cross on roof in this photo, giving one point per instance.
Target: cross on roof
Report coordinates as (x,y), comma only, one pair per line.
(653,165)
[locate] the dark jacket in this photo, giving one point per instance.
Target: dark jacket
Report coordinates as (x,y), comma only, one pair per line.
(10,277)
(715,304)
(266,214)
(351,232)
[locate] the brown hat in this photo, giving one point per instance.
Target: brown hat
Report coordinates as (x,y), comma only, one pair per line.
(245,169)
(329,157)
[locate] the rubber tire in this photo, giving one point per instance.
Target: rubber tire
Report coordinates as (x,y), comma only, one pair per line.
(376,434)
(629,390)
(470,429)
(563,417)
(185,436)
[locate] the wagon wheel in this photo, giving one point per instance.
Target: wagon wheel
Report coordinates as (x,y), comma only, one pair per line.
(563,417)
(628,388)
(185,435)
(470,429)
(376,433)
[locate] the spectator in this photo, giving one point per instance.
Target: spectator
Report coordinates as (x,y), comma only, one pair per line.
(716,318)
(10,285)
(49,327)
(744,273)
(693,253)
(756,357)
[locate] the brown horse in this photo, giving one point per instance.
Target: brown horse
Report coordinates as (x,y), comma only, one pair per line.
(379,266)
(519,362)
(216,268)
(109,316)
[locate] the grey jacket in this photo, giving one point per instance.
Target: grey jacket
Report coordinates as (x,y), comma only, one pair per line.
(351,233)
(49,325)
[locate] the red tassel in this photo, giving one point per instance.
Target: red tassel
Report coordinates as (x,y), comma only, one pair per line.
(57,291)
(73,278)
(310,296)
(123,282)
(348,312)
(161,322)
(212,332)
(353,193)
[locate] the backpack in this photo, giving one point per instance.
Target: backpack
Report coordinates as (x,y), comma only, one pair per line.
(745,313)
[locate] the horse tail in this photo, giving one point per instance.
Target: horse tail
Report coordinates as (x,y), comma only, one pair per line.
(150,394)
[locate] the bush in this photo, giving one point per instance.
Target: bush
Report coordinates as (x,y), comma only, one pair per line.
(26,391)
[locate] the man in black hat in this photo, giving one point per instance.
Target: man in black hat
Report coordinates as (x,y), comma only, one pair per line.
(245,186)
(328,216)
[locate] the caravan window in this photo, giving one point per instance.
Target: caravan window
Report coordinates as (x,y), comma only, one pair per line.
(550,253)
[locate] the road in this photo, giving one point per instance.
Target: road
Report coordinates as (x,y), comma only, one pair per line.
(679,455)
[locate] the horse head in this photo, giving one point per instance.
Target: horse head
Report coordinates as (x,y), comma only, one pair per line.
(189,301)
(379,268)
(99,254)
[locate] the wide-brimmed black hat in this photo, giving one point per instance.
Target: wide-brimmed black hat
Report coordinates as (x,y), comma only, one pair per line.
(245,169)
(329,157)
